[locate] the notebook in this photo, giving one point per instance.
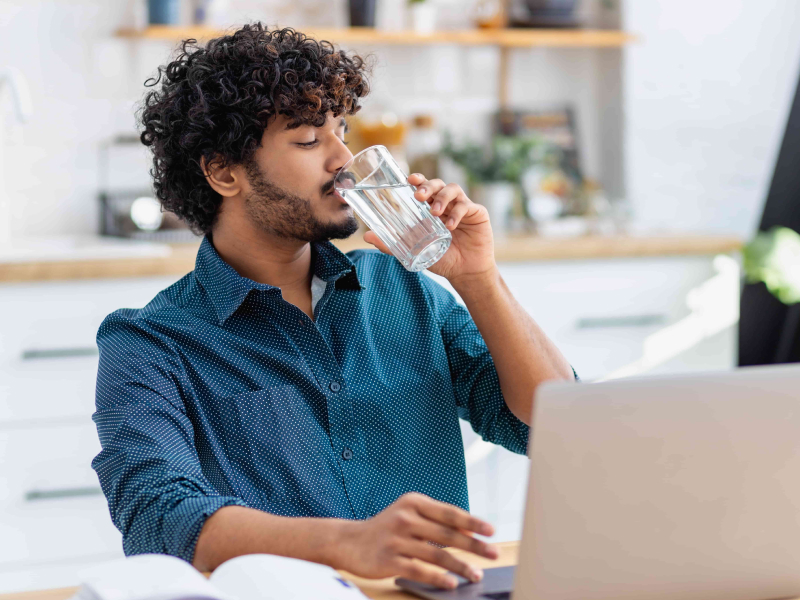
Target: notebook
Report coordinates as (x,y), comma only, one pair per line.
(250,577)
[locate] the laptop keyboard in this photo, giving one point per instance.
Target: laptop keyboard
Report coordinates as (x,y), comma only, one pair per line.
(498,596)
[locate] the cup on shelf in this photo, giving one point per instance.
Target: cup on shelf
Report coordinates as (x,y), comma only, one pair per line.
(163,12)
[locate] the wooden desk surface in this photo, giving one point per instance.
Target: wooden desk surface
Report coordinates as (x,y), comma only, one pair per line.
(377,589)
(513,249)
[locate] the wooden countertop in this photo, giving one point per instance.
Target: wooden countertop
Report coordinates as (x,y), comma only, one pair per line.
(377,589)
(512,249)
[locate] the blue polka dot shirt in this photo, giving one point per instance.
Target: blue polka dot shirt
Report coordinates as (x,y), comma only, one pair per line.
(219,392)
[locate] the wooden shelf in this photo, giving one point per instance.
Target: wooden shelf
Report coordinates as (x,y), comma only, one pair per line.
(505,38)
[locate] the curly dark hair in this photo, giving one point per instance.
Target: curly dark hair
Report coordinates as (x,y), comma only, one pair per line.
(216,101)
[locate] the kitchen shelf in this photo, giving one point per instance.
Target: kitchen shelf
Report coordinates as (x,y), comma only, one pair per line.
(504,38)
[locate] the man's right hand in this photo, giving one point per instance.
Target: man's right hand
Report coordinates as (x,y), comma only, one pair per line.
(395,542)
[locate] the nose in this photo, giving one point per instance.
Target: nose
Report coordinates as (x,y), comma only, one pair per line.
(340,157)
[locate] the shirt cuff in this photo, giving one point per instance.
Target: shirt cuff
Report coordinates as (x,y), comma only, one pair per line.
(182,525)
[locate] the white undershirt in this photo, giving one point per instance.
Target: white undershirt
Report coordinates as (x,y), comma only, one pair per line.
(317,291)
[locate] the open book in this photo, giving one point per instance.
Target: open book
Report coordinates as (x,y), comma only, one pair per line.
(250,577)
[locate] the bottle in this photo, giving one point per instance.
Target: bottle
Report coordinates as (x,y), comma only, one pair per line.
(423,146)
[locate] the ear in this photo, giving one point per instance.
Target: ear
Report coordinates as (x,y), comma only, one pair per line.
(225,180)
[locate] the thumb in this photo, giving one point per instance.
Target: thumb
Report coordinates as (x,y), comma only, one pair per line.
(372,238)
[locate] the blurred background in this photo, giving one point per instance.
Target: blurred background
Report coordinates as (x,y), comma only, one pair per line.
(639,159)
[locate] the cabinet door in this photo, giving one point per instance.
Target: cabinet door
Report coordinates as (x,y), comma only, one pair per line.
(48,353)
(606,315)
(51,505)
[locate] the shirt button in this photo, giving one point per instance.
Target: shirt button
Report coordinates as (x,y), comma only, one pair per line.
(347,454)
(335,387)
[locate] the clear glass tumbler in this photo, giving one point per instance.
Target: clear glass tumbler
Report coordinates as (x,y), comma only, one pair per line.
(375,186)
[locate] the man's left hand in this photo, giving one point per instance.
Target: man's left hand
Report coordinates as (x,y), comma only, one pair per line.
(471,253)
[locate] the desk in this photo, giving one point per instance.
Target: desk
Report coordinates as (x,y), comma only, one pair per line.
(377,589)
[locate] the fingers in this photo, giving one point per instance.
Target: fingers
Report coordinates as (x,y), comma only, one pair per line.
(412,569)
(372,238)
(454,538)
(452,516)
(457,212)
(425,187)
(417,179)
(448,525)
(442,558)
(408,527)
(447,201)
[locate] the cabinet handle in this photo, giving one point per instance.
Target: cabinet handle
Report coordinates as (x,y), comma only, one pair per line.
(58,494)
(39,353)
(621,321)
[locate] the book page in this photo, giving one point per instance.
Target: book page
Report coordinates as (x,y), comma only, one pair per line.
(270,577)
(147,577)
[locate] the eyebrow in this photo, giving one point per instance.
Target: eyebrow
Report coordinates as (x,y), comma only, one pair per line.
(342,123)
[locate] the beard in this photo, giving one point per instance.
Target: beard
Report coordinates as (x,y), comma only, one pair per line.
(284,214)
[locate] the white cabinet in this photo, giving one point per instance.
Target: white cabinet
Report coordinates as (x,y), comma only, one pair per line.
(614,317)
(51,505)
(52,511)
(48,353)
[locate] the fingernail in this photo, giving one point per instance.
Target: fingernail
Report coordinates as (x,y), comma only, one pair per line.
(436,207)
(475,575)
(452,583)
(451,222)
(423,189)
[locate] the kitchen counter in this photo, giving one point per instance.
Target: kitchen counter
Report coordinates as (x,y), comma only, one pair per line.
(94,257)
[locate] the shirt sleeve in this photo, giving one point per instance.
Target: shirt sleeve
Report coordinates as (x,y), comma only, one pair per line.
(148,468)
(475,382)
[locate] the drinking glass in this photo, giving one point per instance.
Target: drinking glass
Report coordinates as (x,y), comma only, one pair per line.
(375,186)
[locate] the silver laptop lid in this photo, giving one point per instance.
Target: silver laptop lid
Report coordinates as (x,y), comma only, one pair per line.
(682,487)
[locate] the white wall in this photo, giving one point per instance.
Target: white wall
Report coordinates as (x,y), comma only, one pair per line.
(50,174)
(707,94)
(84,83)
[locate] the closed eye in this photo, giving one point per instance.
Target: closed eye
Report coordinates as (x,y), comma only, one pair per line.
(308,144)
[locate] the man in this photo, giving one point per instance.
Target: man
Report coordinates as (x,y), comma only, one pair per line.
(284,397)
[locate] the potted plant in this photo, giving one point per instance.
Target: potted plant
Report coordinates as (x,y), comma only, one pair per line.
(423,16)
(494,173)
(773,258)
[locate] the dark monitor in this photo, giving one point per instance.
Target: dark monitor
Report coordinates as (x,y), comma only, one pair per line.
(769,331)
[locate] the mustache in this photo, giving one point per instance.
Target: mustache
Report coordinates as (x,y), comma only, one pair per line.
(328,187)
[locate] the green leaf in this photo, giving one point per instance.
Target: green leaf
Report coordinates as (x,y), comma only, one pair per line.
(773,257)
(506,158)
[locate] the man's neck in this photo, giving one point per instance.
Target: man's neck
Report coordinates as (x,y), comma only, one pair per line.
(263,257)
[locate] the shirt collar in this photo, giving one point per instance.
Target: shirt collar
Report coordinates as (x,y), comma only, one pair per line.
(227,289)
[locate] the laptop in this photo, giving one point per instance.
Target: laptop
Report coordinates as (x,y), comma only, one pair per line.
(658,488)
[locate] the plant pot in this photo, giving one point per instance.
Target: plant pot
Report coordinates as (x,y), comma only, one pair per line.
(498,198)
(423,17)
(163,12)
(362,13)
